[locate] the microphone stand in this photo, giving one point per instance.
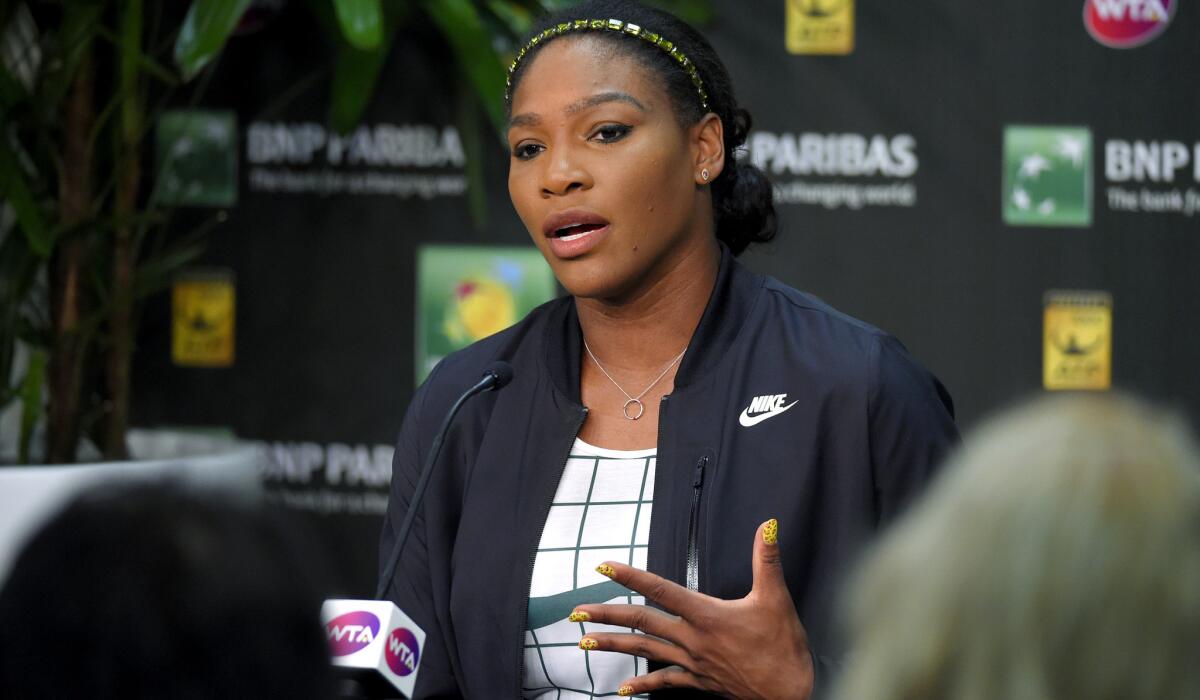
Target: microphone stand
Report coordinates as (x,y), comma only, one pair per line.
(492,379)
(381,657)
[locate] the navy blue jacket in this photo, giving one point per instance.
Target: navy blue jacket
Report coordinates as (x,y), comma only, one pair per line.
(867,430)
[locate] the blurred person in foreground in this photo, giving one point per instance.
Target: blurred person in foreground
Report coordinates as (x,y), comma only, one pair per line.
(153,592)
(1058,558)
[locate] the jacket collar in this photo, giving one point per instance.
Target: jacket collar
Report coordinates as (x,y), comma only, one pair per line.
(728,306)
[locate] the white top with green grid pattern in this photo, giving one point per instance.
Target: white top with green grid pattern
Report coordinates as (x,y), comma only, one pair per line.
(601,512)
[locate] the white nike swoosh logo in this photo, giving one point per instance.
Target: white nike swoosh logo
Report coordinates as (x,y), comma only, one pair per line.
(748,420)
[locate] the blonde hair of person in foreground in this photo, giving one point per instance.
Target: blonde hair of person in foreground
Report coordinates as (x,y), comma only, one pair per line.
(1057,558)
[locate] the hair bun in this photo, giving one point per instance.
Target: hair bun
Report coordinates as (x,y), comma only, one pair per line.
(740,124)
(744,206)
(743,198)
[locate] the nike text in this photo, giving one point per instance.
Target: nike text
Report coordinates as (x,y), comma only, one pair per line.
(764,407)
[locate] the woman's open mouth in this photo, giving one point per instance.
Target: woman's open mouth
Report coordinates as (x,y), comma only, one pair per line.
(574,232)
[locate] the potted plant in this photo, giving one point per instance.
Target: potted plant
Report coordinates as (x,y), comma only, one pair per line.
(83,237)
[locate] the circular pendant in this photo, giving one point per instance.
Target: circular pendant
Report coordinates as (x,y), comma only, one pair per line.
(640,409)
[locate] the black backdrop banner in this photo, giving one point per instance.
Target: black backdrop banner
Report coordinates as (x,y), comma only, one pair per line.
(961,161)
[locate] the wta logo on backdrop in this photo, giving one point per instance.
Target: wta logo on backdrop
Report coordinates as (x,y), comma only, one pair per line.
(1126,24)
(838,170)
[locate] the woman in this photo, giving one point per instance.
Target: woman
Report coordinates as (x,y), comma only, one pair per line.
(670,415)
(1059,558)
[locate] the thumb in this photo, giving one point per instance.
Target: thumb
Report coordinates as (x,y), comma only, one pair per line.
(767,568)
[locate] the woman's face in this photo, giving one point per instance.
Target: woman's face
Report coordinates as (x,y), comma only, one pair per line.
(601,172)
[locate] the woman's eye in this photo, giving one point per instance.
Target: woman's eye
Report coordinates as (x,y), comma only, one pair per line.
(525,151)
(611,132)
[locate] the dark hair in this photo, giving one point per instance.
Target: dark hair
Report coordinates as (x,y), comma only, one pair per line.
(743,206)
(152,592)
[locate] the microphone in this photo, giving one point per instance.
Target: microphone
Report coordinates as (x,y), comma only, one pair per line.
(495,376)
(501,373)
(375,645)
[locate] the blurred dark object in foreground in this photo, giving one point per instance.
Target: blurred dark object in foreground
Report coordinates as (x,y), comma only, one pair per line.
(155,592)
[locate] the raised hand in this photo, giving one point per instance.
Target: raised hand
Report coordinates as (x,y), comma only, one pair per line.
(750,648)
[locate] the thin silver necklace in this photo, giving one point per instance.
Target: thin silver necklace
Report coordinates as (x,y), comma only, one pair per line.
(633,400)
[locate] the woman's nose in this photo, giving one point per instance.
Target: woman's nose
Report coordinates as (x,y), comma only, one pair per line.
(564,175)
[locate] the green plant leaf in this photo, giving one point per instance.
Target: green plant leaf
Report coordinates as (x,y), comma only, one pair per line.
(515,16)
(156,274)
(8,348)
(205,28)
(15,189)
(146,62)
(12,92)
(471,132)
(472,45)
(129,49)
(31,402)
(361,22)
(695,12)
(545,5)
(355,73)
(18,267)
(81,21)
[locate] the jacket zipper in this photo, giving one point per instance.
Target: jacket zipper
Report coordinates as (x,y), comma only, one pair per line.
(693,555)
(532,559)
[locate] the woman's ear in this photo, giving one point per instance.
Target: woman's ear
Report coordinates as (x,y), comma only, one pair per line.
(708,148)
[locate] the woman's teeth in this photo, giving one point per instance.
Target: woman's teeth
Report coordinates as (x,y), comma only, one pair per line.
(570,233)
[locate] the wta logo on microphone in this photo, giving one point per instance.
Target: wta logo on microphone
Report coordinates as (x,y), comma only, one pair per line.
(402,652)
(351,632)
(373,640)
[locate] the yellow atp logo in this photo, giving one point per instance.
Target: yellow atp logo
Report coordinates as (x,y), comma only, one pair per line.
(820,26)
(1077,341)
(203,315)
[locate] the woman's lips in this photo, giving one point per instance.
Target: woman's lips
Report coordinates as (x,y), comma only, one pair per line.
(574,232)
(572,245)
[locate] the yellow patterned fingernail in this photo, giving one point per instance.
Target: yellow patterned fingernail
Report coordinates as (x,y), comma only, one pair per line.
(771,532)
(606,570)
(579,616)
(588,644)
(625,691)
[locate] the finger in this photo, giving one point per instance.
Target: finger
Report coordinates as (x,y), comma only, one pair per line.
(643,645)
(656,589)
(766,564)
(669,677)
(640,617)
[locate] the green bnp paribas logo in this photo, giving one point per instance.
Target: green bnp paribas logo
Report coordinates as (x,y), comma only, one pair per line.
(1047,176)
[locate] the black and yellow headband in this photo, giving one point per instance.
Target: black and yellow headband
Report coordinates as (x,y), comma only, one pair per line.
(611,25)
